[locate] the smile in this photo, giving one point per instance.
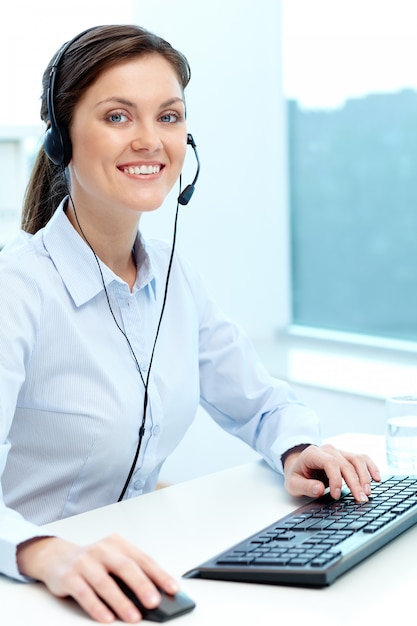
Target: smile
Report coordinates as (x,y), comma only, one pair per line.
(142,169)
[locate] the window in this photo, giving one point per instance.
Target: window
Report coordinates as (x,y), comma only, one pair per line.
(351,88)
(17,152)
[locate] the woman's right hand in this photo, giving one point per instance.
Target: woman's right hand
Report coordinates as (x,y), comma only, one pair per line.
(83,572)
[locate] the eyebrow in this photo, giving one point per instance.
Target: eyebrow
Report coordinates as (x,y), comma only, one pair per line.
(129,103)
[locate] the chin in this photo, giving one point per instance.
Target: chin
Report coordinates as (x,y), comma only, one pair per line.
(142,207)
(148,205)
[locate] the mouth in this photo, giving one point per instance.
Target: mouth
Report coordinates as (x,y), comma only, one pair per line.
(143,170)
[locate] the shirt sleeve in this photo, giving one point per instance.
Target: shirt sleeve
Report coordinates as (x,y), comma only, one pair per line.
(14,530)
(17,331)
(240,394)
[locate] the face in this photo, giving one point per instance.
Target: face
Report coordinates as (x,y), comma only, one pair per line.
(129,139)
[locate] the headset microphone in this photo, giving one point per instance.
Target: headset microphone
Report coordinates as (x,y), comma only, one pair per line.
(185,195)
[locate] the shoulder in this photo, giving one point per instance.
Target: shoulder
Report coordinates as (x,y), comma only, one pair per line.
(22,246)
(20,239)
(21,261)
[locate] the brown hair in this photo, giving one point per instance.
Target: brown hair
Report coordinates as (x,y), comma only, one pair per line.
(81,64)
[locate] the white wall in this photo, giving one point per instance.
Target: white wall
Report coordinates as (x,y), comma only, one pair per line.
(230,228)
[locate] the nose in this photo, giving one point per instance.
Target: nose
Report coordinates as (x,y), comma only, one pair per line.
(146,137)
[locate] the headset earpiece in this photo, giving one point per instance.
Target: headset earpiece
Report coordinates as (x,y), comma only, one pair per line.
(57,143)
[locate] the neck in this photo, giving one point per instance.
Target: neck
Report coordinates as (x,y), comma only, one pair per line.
(112,247)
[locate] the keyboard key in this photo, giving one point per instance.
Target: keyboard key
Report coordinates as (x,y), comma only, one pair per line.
(277,561)
(356,525)
(235,560)
(325,558)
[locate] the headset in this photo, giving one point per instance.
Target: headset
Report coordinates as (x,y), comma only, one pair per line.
(57,143)
(58,148)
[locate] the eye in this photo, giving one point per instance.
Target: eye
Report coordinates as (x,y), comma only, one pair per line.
(170,117)
(117,117)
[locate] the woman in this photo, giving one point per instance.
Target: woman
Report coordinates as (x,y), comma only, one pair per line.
(102,366)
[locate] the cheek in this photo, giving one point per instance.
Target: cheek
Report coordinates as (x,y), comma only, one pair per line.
(89,143)
(180,153)
(90,146)
(83,150)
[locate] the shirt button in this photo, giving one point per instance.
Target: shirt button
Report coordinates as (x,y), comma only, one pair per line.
(156,430)
(137,485)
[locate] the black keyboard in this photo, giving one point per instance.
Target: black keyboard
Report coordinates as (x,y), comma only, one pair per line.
(321,540)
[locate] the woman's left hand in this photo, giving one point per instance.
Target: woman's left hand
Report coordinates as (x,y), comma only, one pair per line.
(314,469)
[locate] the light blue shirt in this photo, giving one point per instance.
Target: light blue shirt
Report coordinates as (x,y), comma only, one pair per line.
(71,397)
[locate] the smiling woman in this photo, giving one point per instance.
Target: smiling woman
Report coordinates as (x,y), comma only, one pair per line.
(102,367)
(127,151)
(68,116)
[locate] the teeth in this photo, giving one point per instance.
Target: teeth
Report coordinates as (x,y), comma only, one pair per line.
(143,169)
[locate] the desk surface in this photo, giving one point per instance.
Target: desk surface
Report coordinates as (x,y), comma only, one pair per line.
(183,525)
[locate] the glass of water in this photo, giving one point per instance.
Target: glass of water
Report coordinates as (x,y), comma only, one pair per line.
(401,433)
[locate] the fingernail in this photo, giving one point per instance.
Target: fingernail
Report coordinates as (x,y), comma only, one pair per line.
(132,615)
(172,586)
(337,493)
(363,497)
(106,617)
(151,598)
(368,489)
(316,490)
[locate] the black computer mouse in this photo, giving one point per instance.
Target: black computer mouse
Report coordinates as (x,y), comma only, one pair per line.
(168,608)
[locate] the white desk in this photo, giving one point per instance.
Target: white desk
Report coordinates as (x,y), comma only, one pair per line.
(183,525)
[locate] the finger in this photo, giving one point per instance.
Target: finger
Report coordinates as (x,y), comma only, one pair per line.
(302,480)
(348,467)
(339,469)
(140,568)
(130,578)
(84,575)
(133,568)
(365,470)
(79,589)
(332,468)
(99,595)
(315,469)
(297,485)
(116,594)
(336,466)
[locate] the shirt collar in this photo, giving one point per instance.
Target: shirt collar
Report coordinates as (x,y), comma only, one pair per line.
(78,268)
